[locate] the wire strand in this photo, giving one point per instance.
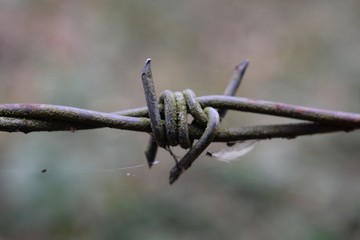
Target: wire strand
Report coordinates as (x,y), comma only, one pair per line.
(166,121)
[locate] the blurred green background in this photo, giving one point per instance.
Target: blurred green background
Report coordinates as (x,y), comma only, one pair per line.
(89,54)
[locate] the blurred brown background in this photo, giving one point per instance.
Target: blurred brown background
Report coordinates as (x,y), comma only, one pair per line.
(89,54)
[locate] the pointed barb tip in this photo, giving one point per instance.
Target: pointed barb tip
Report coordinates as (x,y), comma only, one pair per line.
(146,71)
(243,65)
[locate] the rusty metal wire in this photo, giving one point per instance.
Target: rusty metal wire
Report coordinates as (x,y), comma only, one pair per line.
(167,120)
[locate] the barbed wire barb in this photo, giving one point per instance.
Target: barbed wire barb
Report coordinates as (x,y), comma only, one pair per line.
(166,119)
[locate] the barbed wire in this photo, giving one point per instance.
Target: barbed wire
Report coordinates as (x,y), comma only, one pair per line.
(167,119)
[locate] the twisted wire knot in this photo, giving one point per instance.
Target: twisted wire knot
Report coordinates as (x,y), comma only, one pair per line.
(170,128)
(175,132)
(175,112)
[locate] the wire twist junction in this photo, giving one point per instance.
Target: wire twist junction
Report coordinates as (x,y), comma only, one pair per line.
(174,131)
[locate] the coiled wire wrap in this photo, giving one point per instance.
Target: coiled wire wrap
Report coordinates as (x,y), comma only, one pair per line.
(173,130)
